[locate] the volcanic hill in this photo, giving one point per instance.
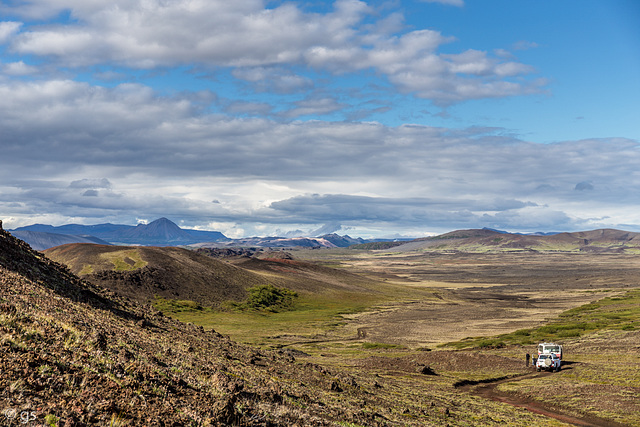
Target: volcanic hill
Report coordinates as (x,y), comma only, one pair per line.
(142,273)
(284,270)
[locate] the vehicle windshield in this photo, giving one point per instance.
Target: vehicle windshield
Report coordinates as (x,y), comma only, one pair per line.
(548,348)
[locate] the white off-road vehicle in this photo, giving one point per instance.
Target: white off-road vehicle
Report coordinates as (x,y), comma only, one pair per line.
(550,348)
(548,362)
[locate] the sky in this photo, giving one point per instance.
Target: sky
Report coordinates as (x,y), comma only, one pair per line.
(383,118)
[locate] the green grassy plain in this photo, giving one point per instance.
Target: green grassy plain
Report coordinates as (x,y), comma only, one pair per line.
(311,317)
(609,313)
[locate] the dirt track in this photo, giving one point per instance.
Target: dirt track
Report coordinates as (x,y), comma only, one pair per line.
(447,363)
(488,390)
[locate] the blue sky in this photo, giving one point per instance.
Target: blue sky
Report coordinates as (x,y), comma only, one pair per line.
(374,119)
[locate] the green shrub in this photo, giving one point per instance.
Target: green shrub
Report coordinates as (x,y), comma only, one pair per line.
(51,420)
(268,298)
(569,333)
(491,343)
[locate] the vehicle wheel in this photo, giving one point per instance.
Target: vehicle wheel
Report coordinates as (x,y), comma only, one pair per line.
(538,369)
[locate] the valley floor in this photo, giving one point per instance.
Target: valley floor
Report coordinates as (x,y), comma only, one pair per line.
(450,297)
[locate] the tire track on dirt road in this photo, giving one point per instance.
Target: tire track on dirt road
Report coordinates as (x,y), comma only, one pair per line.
(488,390)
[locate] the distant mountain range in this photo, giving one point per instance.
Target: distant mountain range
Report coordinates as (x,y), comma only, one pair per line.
(494,241)
(162,232)
(326,241)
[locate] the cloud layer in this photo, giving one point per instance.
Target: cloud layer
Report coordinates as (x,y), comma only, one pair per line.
(95,152)
(215,113)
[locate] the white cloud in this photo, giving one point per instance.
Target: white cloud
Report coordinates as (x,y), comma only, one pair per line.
(273,79)
(455,77)
(8,29)
(151,33)
(458,3)
(252,140)
(314,106)
(18,69)
(263,45)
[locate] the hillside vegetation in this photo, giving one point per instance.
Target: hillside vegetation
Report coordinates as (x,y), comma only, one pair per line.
(204,277)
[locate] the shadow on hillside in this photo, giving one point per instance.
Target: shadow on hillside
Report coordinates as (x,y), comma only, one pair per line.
(19,257)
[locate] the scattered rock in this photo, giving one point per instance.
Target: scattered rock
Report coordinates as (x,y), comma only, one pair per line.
(8,309)
(335,387)
(426,370)
(99,340)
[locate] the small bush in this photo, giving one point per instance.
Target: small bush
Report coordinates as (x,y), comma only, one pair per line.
(268,298)
(491,343)
(51,420)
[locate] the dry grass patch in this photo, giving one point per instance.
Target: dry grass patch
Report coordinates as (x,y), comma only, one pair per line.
(127,260)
